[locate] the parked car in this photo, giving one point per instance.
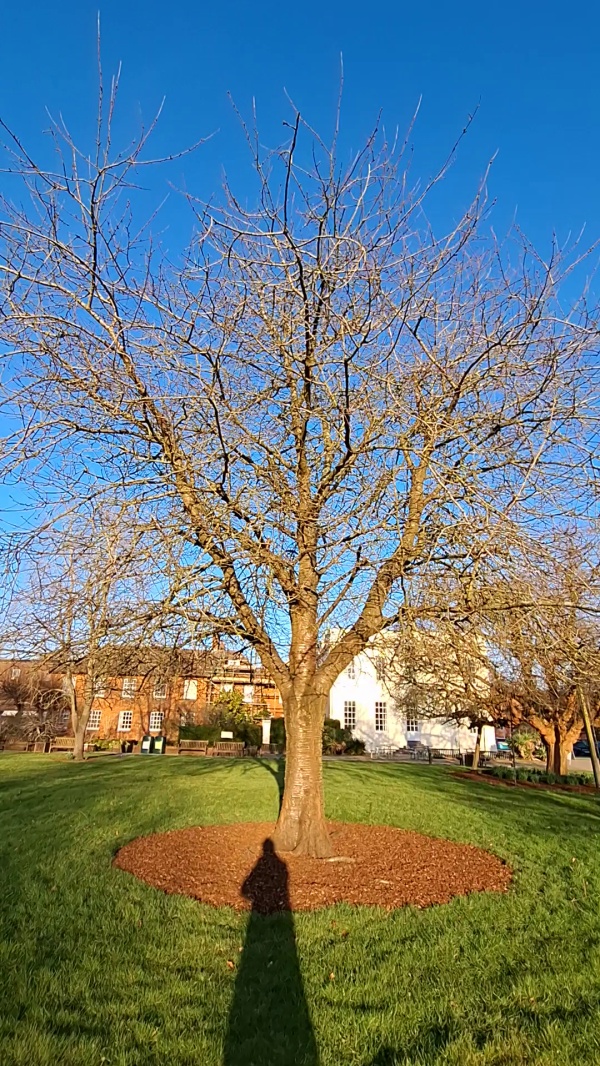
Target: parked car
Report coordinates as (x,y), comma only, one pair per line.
(581,749)
(503,749)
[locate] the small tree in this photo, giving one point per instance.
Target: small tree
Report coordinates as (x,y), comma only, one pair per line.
(546,654)
(442,671)
(38,701)
(324,400)
(83,601)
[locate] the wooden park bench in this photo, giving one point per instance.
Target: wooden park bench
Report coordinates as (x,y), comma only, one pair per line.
(229,747)
(192,747)
(16,745)
(62,744)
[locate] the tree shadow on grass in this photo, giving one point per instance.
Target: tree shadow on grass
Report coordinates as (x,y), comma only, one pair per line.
(269,1022)
(534,810)
(277,771)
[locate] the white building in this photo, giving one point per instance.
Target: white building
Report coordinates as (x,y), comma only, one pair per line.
(364,699)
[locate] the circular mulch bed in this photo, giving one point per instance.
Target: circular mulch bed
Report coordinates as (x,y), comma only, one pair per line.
(237,866)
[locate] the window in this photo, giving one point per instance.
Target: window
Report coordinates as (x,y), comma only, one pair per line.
(380,669)
(412,722)
(380,716)
(190,689)
(94,719)
(156,721)
(15,673)
(228,686)
(129,688)
(101,687)
(248,693)
(351,671)
(125,721)
(350,714)
(160,690)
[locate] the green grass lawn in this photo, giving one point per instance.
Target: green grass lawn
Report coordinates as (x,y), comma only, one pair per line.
(97,968)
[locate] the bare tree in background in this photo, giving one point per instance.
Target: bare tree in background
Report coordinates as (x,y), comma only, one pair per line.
(33,704)
(441,671)
(324,401)
(83,607)
(546,656)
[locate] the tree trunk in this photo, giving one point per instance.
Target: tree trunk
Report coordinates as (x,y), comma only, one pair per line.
(560,765)
(591,736)
(477,747)
(79,741)
(301,824)
(549,746)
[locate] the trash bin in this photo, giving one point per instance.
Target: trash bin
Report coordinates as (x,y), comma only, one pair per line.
(147,745)
(160,745)
(469,758)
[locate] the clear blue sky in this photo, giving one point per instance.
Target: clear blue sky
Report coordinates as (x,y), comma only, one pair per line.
(533,67)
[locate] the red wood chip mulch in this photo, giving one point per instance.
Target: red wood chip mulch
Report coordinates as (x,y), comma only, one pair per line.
(237,866)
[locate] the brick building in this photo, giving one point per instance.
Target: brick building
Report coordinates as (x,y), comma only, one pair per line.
(148,691)
(157,694)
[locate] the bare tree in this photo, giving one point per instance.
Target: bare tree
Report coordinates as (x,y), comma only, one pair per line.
(323,402)
(33,703)
(544,655)
(441,670)
(82,606)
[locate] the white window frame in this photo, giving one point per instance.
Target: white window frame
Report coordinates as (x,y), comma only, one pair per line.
(94,719)
(160,690)
(190,688)
(124,726)
(248,693)
(350,714)
(129,688)
(156,716)
(380,716)
(351,671)
(15,673)
(413,724)
(101,688)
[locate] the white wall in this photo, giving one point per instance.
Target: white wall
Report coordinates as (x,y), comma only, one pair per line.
(365,689)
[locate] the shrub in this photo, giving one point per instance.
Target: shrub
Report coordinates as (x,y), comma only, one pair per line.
(278,733)
(200,732)
(526,743)
(540,777)
(503,773)
(249,732)
(579,779)
(336,741)
(355,747)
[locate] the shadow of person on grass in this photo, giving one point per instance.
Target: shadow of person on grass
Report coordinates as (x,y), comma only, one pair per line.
(269,1022)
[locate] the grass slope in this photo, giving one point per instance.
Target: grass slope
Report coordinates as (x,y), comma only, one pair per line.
(96,969)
